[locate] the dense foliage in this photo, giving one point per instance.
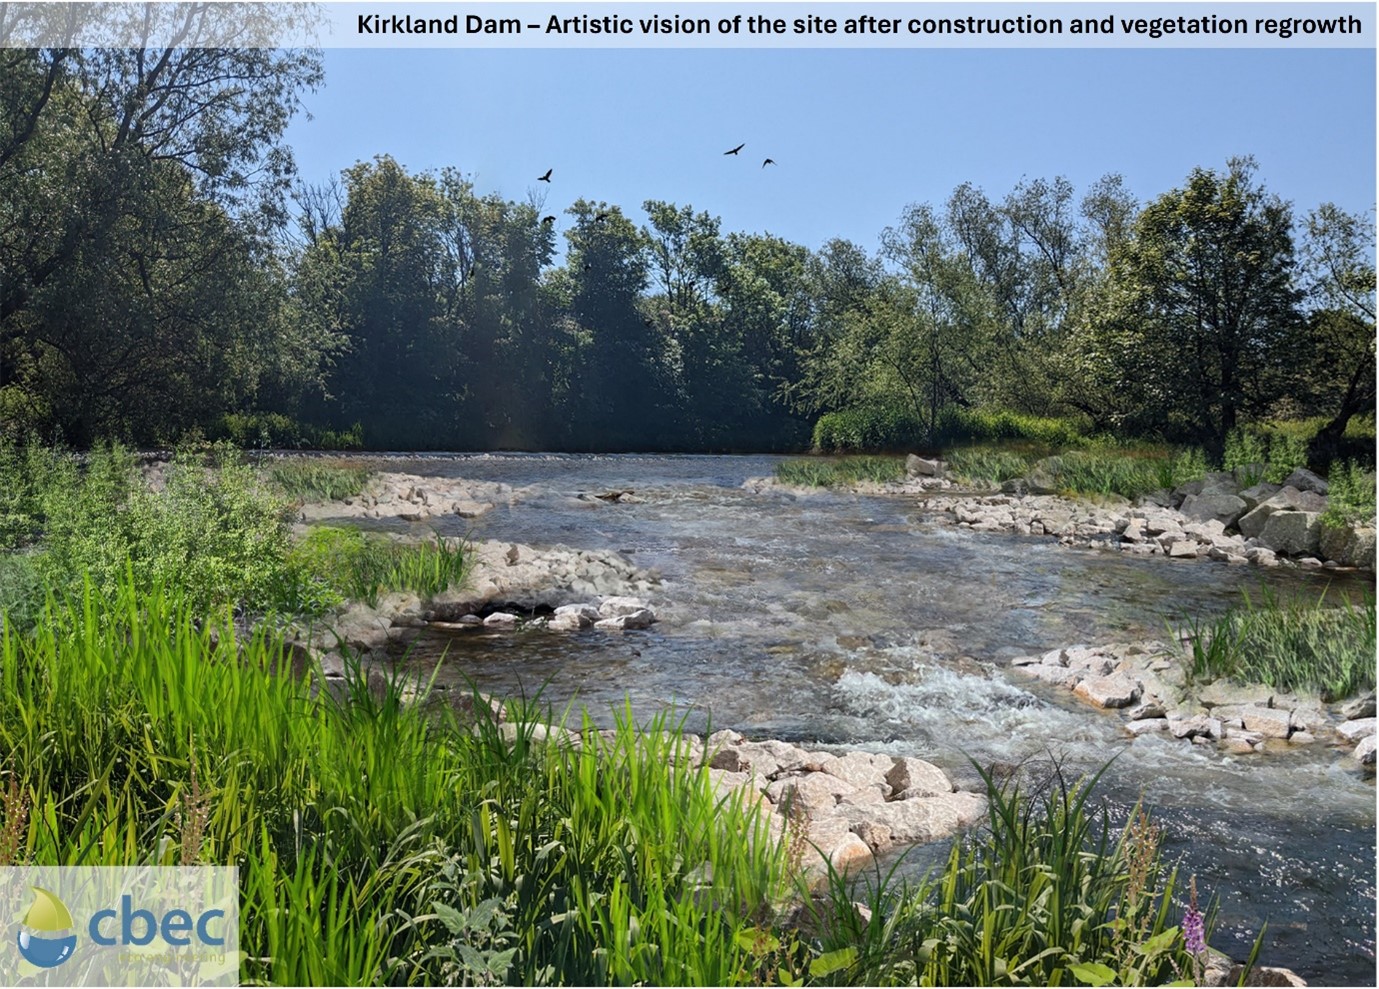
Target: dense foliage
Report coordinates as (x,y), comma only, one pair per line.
(149,285)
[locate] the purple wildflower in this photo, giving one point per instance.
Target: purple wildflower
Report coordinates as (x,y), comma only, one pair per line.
(1194,931)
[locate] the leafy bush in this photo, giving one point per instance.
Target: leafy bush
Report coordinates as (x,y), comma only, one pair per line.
(1288,645)
(27,474)
(212,530)
(307,480)
(351,564)
(1350,496)
(1187,465)
(871,427)
(262,430)
(989,425)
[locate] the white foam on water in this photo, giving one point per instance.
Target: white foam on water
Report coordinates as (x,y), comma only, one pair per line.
(984,716)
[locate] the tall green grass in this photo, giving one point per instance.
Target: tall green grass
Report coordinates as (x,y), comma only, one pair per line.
(1097,469)
(369,835)
(307,480)
(840,472)
(1288,645)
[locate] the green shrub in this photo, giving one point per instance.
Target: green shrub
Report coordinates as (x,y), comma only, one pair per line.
(1350,496)
(870,427)
(261,430)
(309,480)
(957,424)
(1188,465)
(29,475)
(1248,450)
(212,530)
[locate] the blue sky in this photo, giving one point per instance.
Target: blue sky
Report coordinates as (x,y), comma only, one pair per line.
(857,135)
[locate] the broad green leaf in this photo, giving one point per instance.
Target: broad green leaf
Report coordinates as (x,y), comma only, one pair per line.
(1093,974)
(832,961)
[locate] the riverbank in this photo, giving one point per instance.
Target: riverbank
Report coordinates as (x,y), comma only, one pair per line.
(1228,516)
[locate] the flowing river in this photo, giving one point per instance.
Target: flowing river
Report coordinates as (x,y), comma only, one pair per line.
(871,623)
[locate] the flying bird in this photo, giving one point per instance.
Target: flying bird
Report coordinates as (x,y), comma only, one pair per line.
(547,176)
(736,149)
(768,161)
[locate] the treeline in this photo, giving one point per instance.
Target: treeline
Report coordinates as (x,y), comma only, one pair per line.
(161,272)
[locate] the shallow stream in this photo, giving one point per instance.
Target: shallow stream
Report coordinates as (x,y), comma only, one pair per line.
(870,622)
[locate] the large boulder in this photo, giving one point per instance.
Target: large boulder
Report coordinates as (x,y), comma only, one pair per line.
(1219,507)
(817,794)
(911,777)
(1260,492)
(1350,546)
(837,843)
(1270,722)
(1293,533)
(1304,480)
(1117,690)
(919,467)
(921,819)
(861,769)
(1286,499)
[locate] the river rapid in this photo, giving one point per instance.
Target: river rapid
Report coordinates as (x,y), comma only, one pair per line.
(874,623)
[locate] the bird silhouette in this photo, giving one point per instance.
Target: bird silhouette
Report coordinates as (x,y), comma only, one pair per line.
(736,149)
(547,176)
(548,219)
(768,161)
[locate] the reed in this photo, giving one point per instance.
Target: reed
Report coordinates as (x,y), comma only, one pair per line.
(1288,644)
(841,472)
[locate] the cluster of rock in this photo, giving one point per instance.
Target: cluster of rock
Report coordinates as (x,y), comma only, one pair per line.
(1213,517)
(584,588)
(612,613)
(1146,682)
(532,579)
(412,498)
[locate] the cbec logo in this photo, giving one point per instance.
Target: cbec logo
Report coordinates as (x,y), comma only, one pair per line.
(47,939)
